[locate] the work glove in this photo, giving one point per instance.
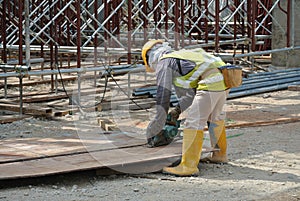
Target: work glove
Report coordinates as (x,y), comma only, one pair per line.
(158,140)
(173,116)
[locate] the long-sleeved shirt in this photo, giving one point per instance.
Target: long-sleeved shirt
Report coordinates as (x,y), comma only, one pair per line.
(166,71)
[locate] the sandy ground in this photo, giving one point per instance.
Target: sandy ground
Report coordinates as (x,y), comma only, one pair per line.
(264,162)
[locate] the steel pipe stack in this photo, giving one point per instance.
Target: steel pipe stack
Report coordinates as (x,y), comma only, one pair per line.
(255,84)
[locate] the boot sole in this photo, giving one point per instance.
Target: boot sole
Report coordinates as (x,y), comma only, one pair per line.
(207,160)
(184,175)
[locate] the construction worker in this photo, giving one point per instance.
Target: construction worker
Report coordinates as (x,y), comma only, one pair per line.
(200,87)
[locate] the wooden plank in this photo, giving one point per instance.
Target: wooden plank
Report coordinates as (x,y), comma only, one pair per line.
(134,123)
(44,98)
(125,104)
(26,109)
(32,157)
(294,88)
(85,161)
(135,160)
(107,124)
(46,147)
(140,106)
(264,123)
(8,154)
(60,113)
(11,118)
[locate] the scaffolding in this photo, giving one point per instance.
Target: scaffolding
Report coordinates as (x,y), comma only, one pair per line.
(95,33)
(109,27)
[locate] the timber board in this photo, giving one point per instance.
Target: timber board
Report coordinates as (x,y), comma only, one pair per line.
(34,157)
(20,149)
(117,159)
(11,118)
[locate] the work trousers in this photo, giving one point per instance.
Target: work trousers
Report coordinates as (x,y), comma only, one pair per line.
(207,106)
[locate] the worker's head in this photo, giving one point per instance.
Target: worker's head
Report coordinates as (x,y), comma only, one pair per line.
(152,51)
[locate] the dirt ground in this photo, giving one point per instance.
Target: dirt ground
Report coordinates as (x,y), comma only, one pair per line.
(264,161)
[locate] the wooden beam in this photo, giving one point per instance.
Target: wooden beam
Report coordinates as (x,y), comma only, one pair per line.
(294,88)
(265,123)
(11,118)
(34,110)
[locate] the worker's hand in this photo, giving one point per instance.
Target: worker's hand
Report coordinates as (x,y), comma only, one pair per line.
(173,116)
(158,140)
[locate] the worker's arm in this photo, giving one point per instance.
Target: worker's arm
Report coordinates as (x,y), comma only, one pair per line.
(164,89)
(185,96)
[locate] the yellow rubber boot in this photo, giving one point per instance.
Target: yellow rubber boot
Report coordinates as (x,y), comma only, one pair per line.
(218,140)
(191,152)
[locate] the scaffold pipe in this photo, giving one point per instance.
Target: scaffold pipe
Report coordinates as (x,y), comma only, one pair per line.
(104,71)
(227,56)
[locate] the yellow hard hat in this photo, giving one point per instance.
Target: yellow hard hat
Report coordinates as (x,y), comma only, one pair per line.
(145,49)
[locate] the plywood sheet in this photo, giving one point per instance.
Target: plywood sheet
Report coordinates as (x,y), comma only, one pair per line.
(33,157)
(118,159)
(16,149)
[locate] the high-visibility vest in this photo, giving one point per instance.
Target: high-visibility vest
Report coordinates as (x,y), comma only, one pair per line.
(204,62)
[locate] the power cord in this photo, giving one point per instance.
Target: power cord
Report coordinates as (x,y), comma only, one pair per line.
(108,71)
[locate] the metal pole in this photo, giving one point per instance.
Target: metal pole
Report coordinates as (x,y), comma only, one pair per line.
(259,52)
(51,43)
(27,33)
(235,19)
(78,47)
(21,93)
(176,24)
(4,51)
(120,69)
(292,23)
(253,25)
(105,24)
(95,39)
(166,18)
(145,22)
(206,20)
(155,17)
(20,32)
(182,22)
(288,31)
(21,54)
(217,28)
(56,38)
(3,31)
(129,31)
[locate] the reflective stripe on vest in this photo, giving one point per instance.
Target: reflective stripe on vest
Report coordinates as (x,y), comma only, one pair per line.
(203,61)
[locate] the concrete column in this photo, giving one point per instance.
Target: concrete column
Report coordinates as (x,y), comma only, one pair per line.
(288,59)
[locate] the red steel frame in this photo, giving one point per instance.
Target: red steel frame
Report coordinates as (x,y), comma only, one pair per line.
(66,28)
